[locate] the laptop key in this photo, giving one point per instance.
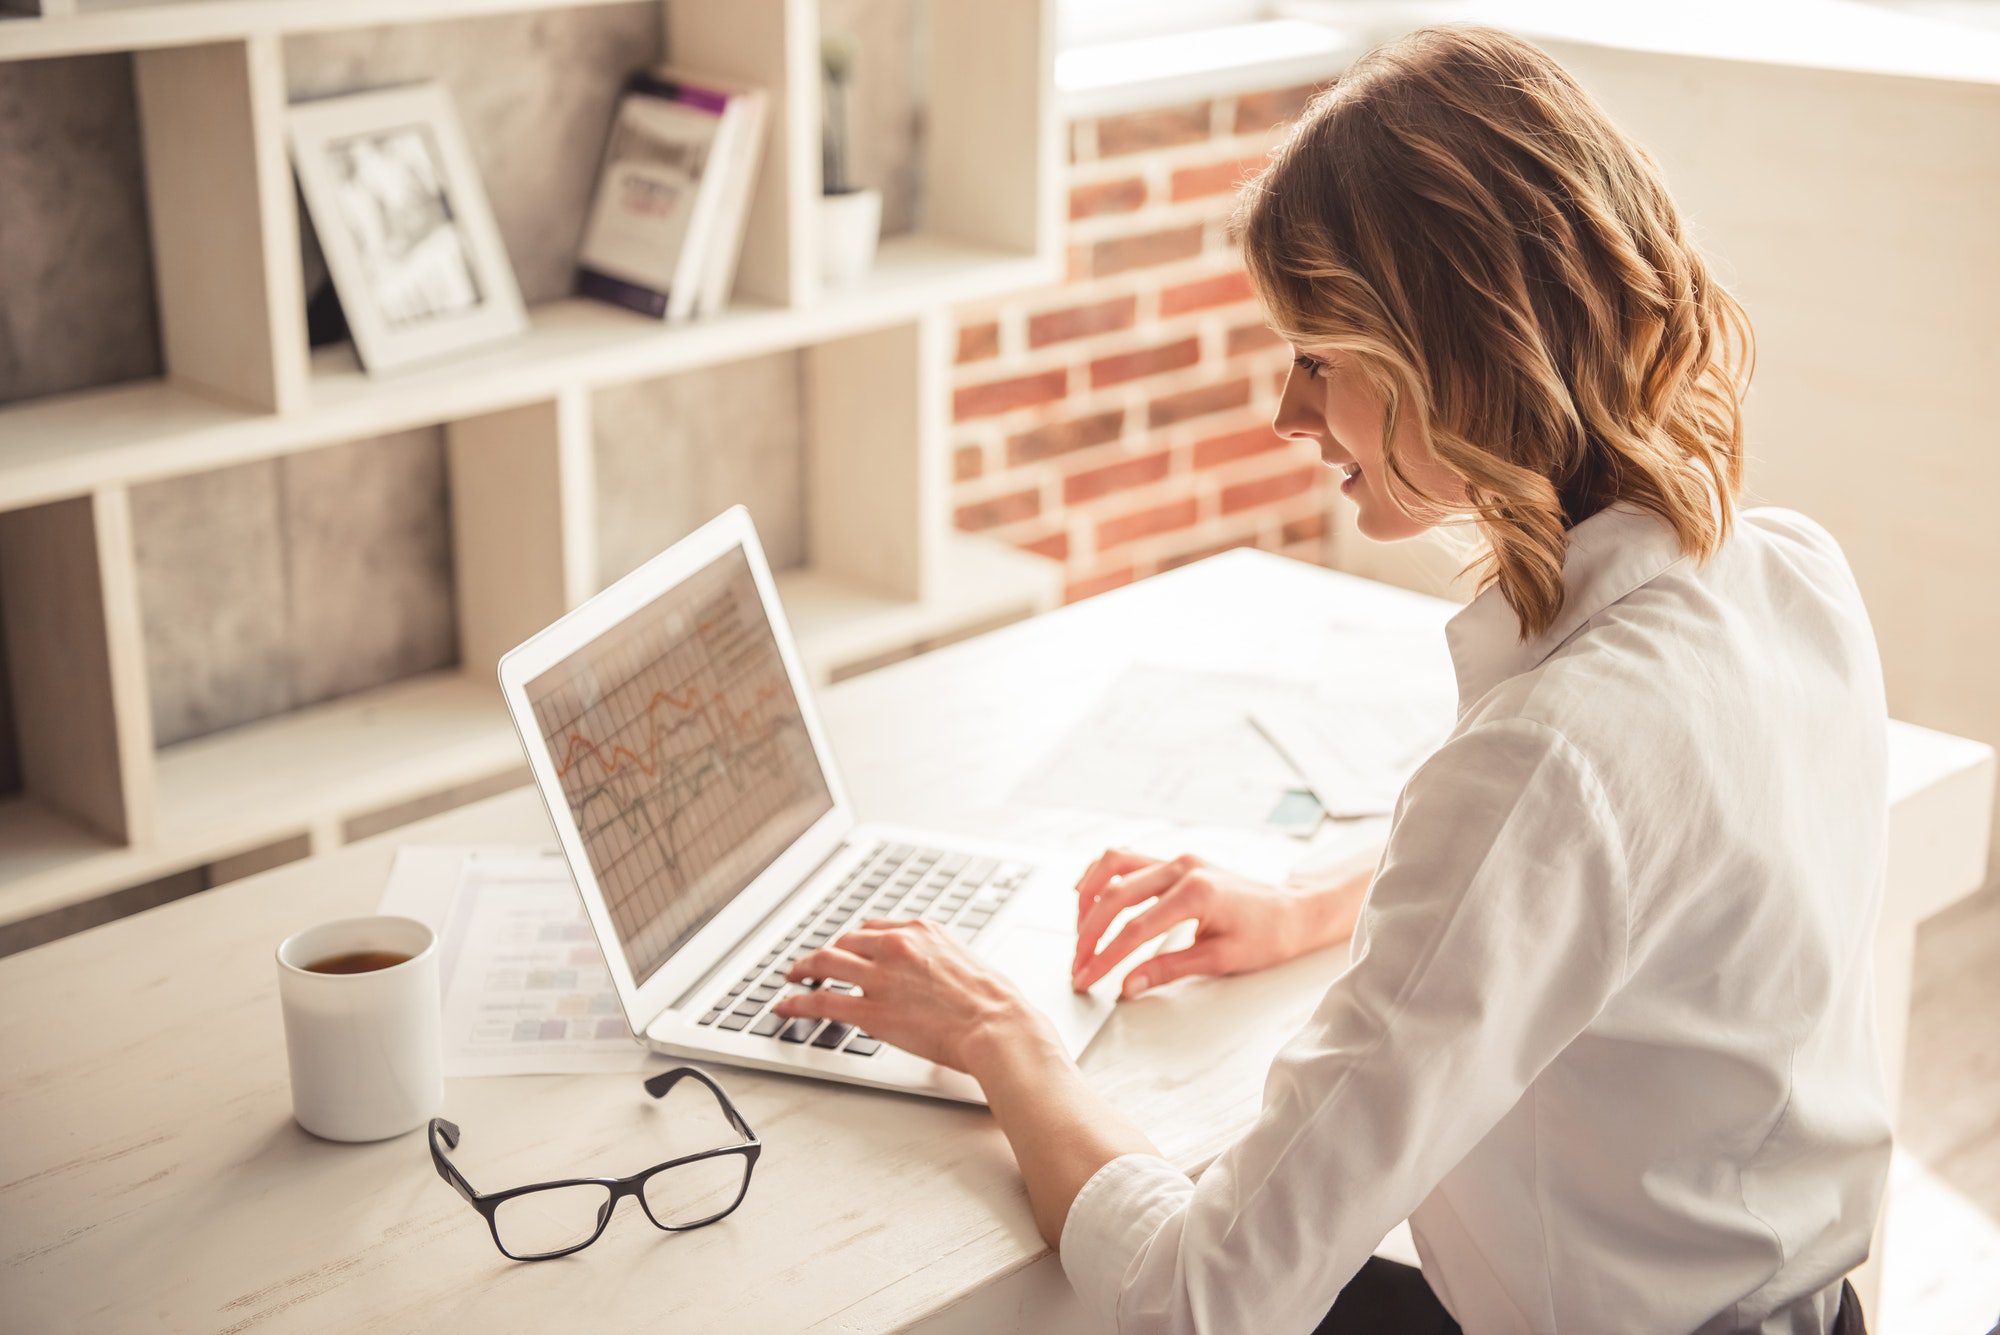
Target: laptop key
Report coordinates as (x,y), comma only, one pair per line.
(769,1024)
(964,932)
(732,1021)
(711,1017)
(833,1034)
(980,869)
(762,992)
(863,1046)
(747,1008)
(799,1030)
(953,862)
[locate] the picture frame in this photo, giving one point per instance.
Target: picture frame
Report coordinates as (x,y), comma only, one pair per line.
(410,242)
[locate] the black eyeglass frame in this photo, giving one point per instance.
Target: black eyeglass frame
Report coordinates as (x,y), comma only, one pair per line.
(488,1203)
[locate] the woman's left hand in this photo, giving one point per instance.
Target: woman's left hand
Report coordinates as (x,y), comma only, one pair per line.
(921,991)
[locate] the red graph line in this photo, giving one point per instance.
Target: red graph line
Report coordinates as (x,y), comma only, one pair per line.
(646,759)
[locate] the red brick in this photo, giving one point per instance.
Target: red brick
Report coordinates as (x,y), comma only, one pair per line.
(1252,338)
(1267,490)
(966,462)
(1212,178)
(1074,133)
(1055,544)
(1091,483)
(1062,437)
(1124,366)
(1099,317)
(1143,523)
(1078,590)
(978,341)
(1263,111)
(1220,290)
(1142,131)
(1198,402)
(1118,254)
(1099,197)
(1011,508)
(1301,530)
(1236,445)
(999,396)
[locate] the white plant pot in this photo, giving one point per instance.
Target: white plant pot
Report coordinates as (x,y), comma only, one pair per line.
(849,226)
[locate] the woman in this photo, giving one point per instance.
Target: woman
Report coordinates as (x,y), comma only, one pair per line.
(1605,1036)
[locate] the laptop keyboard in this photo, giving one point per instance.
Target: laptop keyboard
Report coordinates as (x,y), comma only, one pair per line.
(959,892)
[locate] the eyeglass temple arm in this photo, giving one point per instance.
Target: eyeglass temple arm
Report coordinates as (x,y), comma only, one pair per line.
(448,1133)
(658,1085)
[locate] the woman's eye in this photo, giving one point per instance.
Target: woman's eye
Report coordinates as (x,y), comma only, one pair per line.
(1310,366)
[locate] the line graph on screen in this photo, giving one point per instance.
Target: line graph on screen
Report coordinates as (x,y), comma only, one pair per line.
(682,755)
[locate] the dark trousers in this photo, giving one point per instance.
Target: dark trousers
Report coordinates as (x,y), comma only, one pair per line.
(1387,1298)
(1390,1298)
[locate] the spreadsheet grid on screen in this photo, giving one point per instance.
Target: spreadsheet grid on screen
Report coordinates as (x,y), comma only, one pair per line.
(682,755)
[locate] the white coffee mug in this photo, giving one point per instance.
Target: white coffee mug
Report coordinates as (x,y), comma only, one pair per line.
(365,1051)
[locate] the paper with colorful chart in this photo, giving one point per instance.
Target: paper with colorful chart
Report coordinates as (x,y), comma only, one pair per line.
(525,990)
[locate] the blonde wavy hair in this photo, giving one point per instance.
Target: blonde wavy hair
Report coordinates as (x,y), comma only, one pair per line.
(1462,221)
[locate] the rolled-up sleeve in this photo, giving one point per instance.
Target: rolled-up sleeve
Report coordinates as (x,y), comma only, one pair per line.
(1495,930)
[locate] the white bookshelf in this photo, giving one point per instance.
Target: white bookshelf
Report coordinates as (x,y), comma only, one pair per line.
(101,807)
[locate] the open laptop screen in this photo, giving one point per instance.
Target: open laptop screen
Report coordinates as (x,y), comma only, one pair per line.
(682,753)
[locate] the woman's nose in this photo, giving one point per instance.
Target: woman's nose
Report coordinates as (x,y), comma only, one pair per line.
(1298,415)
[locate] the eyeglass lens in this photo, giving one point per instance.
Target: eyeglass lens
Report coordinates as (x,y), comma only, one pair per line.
(695,1193)
(553,1219)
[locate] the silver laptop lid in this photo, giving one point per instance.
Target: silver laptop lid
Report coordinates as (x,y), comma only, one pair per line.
(671,732)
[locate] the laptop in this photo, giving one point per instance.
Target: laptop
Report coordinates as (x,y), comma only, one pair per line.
(671,732)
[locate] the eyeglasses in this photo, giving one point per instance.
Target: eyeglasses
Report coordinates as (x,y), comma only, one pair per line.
(550,1219)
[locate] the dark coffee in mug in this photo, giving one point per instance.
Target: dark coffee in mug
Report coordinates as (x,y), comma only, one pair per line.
(358,961)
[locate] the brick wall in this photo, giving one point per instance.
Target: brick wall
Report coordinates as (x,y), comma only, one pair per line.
(1120,421)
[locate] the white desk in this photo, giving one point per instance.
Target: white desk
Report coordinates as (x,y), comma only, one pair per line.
(151,1177)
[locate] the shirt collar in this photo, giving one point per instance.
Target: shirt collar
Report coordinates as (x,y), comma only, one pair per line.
(1608,555)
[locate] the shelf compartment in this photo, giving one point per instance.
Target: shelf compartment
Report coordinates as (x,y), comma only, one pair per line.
(324,764)
(840,623)
(69,444)
(48,861)
(316,766)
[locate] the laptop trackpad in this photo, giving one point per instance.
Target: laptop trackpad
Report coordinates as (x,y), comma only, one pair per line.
(1038,962)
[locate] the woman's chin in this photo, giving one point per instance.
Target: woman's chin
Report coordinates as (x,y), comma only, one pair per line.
(1379,522)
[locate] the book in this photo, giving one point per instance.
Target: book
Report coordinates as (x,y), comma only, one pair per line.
(656,231)
(720,279)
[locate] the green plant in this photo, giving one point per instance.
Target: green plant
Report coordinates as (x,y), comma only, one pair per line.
(837,53)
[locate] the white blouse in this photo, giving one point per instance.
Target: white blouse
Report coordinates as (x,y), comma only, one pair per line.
(1606,1037)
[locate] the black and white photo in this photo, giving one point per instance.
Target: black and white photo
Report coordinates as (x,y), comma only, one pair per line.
(415,256)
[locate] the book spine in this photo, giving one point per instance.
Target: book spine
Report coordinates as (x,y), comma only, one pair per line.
(699,251)
(604,287)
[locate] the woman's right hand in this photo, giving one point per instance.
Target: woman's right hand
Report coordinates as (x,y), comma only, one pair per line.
(1240,924)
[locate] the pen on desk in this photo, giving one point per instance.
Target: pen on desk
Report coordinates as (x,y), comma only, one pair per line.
(1286,756)
(1329,802)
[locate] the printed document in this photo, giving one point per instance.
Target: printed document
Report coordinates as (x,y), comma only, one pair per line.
(525,988)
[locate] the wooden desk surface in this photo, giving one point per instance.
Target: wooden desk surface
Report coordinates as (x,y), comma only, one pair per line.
(151,1176)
